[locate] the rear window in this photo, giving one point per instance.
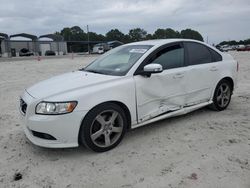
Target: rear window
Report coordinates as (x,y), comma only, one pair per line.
(198,54)
(215,55)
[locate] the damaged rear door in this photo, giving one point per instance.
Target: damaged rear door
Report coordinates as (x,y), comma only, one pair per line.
(162,92)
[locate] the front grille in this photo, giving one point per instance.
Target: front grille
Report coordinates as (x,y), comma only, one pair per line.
(23,106)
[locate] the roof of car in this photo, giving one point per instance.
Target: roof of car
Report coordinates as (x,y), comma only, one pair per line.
(160,41)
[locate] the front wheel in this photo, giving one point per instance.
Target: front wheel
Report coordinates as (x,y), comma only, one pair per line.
(222,95)
(103,127)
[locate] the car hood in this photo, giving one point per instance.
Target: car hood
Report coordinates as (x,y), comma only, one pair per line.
(67,82)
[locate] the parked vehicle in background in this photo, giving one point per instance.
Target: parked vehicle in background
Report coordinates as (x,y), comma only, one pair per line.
(114,44)
(104,47)
(25,52)
(128,87)
(50,53)
(100,48)
(238,47)
(244,48)
(234,47)
(226,48)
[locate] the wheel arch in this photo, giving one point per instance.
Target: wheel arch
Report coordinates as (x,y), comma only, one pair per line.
(230,80)
(120,104)
(126,111)
(213,106)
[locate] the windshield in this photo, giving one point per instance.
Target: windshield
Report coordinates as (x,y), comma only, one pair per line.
(118,61)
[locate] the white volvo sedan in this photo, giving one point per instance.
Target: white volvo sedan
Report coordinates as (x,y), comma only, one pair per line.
(130,86)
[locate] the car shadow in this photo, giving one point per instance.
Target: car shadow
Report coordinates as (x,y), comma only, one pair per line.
(54,153)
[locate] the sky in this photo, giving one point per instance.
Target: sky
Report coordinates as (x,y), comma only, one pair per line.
(216,20)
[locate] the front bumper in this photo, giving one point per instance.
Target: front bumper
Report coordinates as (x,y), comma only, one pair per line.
(64,128)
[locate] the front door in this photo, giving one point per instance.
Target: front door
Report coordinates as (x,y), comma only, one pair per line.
(162,92)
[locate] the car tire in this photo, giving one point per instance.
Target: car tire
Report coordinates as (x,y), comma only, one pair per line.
(222,95)
(103,127)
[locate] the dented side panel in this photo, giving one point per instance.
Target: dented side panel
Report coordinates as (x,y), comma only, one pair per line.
(160,93)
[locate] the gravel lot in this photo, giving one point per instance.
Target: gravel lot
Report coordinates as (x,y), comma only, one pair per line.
(201,149)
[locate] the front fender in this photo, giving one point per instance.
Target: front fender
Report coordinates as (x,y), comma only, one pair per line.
(120,90)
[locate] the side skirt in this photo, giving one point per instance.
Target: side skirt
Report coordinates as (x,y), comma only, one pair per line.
(182,111)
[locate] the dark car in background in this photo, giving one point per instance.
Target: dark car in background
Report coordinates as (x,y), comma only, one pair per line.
(50,53)
(25,52)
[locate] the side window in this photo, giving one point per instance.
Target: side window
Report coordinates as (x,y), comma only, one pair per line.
(216,56)
(170,57)
(198,54)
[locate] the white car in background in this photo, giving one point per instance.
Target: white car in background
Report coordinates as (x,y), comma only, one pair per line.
(100,48)
(226,48)
(130,86)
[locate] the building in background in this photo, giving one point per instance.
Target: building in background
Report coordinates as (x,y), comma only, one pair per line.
(3,45)
(9,47)
(49,44)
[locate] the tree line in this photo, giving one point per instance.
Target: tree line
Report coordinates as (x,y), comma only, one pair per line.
(233,42)
(76,33)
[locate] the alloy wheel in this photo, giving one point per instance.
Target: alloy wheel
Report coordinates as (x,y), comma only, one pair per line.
(106,128)
(223,95)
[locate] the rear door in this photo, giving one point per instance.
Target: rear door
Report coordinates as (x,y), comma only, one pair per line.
(165,91)
(202,73)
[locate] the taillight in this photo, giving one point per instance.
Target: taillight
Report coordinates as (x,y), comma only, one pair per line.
(237,66)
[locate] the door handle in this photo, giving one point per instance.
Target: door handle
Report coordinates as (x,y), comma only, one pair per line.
(178,75)
(213,68)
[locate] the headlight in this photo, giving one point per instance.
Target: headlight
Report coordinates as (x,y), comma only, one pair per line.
(54,108)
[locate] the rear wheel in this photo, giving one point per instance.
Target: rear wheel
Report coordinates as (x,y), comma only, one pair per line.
(222,95)
(103,127)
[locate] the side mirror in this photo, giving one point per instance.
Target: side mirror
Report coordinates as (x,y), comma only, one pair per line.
(152,68)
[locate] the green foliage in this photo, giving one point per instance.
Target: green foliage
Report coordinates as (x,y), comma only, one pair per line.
(114,34)
(75,33)
(137,34)
(76,30)
(96,37)
(170,33)
(166,34)
(159,34)
(191,34)
(149,37)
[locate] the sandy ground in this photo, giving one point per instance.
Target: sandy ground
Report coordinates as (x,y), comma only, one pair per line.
(201,149)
